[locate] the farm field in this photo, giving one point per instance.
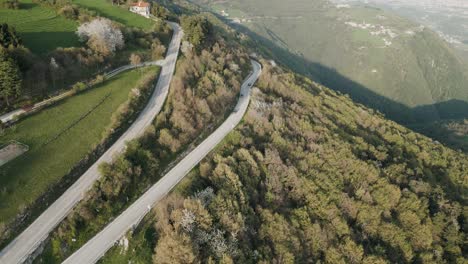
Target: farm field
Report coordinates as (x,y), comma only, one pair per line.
(41,28)
(27,177)
(116,13)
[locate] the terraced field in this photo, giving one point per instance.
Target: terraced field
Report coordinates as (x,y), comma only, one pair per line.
(50,157)
(41,29)
(116,13)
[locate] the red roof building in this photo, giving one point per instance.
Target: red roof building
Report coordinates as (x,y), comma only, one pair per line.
(141,8)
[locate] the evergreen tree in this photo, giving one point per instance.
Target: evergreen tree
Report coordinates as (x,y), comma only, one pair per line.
(159,11)
(8,36)
(196,29)
(10,78)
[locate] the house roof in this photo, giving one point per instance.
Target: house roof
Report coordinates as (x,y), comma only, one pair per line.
(141,4)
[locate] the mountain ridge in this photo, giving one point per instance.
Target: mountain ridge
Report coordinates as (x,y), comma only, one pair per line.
(380,52)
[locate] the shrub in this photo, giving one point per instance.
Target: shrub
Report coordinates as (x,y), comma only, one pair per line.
(69,11)
(11,4)
(8,36)
(196,28)
(157,50)
(99,79)
(79,86)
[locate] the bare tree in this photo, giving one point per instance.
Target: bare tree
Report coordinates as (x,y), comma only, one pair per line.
(54,71)
(101,35)
(157,50)
(135,59)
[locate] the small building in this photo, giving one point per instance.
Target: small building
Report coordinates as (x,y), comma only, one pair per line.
(141,8)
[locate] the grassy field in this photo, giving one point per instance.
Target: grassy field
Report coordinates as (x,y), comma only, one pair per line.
(27,177)
(116,13)
(41,29)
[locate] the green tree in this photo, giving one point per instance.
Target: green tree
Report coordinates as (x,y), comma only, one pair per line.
(174,249)
(196,29)
(159,11)
(12,4)
(10,77)
(8,36)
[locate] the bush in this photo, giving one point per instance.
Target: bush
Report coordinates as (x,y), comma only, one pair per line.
(196,28)
(99,79)
(70,12)
(79,86)
(157,50)
(8,36)
(142,42)
(159,11)
(26,104)
(11,4)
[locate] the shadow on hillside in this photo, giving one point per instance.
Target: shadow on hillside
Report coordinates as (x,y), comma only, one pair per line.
(394,110)
(43,42)
(27,6)
(102,13)
(452,109)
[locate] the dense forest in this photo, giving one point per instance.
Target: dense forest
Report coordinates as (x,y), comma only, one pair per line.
(453,133)
(311,177)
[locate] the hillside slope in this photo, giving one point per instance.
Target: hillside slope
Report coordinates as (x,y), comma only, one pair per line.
(380,59)
(312,176)
(309,176)
(40,27)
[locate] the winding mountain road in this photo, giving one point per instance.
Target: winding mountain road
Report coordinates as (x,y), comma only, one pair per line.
(95,248)
(30,239)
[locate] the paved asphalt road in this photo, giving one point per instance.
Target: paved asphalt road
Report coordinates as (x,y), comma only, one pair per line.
(92,251)
(25,244)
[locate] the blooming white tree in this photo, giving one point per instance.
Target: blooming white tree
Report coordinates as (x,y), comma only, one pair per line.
(101,35)
(205,196)
(188,220)
(55,71)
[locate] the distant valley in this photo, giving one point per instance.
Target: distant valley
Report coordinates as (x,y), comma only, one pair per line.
(449,18)
(380,59)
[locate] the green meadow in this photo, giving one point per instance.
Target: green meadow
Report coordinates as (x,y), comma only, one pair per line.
(41,28)
(117,13)
(27,177)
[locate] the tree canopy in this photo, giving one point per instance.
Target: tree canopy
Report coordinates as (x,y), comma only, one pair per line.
(10,78)
(101,36)
(311,177)
(196,29)
(8,36)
